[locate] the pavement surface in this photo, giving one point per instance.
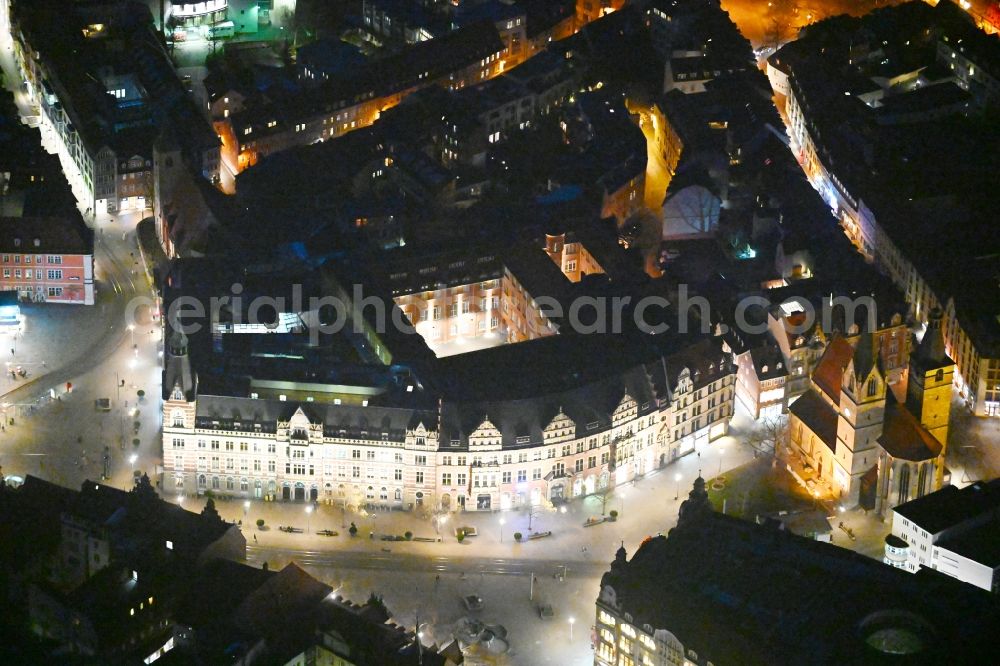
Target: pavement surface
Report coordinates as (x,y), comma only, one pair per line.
(57,434)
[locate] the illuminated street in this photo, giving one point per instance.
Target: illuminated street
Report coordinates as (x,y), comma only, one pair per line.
(348,333)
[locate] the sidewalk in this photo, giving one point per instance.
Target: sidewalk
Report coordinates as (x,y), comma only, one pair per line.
(646,508)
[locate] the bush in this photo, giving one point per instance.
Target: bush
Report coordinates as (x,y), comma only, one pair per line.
(136,442)
(613,513)
(408,535)
(141,394)
(260,523)
(460,536)
(518,536)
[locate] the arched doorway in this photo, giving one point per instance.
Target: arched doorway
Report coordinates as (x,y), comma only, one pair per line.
(445,501)
(300,492)
(314,493)
(286,492)
(590,484)
(577,486)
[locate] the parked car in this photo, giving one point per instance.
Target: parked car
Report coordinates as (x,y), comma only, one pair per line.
(473,602)
(545,611)
(180,36)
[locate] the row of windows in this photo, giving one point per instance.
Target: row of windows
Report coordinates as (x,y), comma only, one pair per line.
(26,259)
(29,274)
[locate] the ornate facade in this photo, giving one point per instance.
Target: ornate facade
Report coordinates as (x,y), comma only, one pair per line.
(473,455)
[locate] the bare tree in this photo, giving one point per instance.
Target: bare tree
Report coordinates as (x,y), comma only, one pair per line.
(768,435)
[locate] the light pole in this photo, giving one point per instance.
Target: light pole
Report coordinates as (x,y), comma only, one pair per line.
(677,490)
(309,511)
(572,621)
(501,529)
(621,502)
(132,460)
(722,452)
(246,510)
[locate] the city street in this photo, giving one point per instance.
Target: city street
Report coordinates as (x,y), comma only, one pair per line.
(567,565)
(765,22)
(57,434)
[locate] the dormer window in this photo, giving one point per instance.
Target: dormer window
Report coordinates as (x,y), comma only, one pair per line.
(178,394)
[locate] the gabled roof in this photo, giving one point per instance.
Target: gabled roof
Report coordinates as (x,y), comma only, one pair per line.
(903,436)
(829,372)
(817,415)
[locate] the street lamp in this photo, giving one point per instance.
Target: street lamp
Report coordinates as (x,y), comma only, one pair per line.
(722,452)
(246,509)
(621,502)
(572,621)
(131,330)
(502,521)
(677,490)
(132,460)
(309,511)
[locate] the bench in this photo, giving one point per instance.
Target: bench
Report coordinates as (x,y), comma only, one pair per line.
(593,521)
(539,535)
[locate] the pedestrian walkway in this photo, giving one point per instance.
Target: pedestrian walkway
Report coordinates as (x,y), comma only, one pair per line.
(647,507)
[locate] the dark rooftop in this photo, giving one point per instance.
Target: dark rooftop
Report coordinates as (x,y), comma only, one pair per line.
(720,584)
(951,506)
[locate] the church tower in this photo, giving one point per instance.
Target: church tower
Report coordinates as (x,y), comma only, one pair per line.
(860,417)
(928,391)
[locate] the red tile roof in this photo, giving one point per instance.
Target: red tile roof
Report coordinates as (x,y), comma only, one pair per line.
(829,371)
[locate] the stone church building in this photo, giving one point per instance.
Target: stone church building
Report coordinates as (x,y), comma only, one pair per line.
(869,447)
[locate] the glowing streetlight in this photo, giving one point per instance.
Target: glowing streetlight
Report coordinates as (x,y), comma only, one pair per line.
(180,499)
(246,508)
(309,511)
(562,509)
(502,521)
(131,330)
(677,490)
(572,621)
